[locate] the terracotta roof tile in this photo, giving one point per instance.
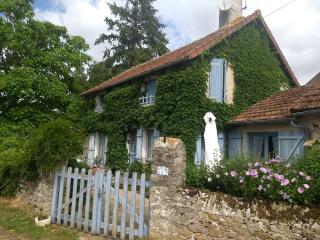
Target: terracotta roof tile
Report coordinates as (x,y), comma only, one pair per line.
(310,101)
(275,107)
(187,52)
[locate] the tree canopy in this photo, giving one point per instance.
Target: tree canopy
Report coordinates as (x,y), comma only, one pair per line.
(134,35)
(41,75)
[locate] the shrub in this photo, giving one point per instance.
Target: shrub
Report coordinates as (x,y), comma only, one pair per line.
(275,179)
(140,167)
(53,144)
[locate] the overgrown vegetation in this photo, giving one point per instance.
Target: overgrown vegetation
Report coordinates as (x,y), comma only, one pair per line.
(181,100)
(296,181)
(41,76)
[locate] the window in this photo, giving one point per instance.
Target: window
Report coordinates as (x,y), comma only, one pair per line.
(149,93)
(200,147)
(99,103)
(263,145)
(217,80)
(140,143)
(97,149)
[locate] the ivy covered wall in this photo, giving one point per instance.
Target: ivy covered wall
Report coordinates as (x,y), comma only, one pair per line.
(181,100)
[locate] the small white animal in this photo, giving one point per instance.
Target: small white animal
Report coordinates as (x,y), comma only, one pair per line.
(42,223)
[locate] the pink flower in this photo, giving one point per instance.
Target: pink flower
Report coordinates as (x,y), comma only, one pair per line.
(300,190)
(279,177)
(257,164)
(233,173)
(306,186)
(301,174)
(285,182)
(253,172)
(260,188)
(264,170)
(308,178)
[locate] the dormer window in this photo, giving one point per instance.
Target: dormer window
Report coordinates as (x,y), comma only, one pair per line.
(217,80)
(99,103)
(149,93)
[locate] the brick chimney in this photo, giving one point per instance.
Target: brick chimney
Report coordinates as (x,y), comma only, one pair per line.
(228,16)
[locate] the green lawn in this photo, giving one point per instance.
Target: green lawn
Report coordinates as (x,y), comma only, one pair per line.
(20,221)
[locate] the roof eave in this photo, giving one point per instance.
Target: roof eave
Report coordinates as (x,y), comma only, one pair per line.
(251,122)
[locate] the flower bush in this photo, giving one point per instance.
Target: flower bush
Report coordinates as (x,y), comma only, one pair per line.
(295,181)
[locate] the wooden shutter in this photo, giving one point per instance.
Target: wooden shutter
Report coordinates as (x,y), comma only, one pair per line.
(105,148)
(234,143)
(291,143)
(198,153)
(156,134)
(90,159)
(217,80)
(139,144)
(221,141)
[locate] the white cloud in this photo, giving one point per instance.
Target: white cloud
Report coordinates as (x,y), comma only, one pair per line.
(294,27)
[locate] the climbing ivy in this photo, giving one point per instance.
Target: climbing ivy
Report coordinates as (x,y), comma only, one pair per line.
(181,97)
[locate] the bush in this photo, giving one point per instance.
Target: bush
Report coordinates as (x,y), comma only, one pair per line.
(140,167)
(53,144)
(275,179)
(296,181)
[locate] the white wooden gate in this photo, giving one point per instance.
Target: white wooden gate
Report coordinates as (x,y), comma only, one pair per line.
(101,203)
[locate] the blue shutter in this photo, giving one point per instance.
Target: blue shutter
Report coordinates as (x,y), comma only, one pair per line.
(91,146)
(139,144)
(105,149)
(156,134)
(291,143)
(151,88)
(234,143)
(198,153)
(221,139)
(217,80)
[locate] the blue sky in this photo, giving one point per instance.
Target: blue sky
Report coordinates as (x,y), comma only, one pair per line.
(187,20)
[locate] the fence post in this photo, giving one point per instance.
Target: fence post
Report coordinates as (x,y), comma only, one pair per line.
(168,174)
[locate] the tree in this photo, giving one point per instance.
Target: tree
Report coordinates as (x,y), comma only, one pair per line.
(134,36)
(41,75)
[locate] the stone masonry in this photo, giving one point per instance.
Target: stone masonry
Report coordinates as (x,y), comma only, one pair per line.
(178,212)
(38,194)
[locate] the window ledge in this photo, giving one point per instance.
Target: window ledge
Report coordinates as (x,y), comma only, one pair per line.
(147,100)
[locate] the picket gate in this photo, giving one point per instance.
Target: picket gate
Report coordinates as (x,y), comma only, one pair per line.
(102,203)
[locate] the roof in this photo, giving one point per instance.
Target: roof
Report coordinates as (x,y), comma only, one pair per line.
(309,102)
(282,106)
(315,79)
(191,51)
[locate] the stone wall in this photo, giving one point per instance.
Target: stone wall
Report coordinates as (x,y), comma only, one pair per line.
(38,195)
(181,213)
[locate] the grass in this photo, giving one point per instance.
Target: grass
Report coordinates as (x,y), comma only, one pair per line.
(20,220)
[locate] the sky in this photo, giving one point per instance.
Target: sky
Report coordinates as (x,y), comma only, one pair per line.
(295,27)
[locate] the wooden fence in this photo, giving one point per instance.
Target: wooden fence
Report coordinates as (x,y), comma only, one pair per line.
(101,203)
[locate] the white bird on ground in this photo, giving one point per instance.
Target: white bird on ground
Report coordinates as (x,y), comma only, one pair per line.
(42,223)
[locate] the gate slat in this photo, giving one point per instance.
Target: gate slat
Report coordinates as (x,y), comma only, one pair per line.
(115,205)
(80,204)
(61,188)
(54,201)
(141,209)
(124,205)
(95,203)
(107,203)
(133,205)
(74,195)
(66,203)
(99,204)
(88,195)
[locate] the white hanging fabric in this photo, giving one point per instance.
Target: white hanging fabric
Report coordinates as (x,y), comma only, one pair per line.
(212,149)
